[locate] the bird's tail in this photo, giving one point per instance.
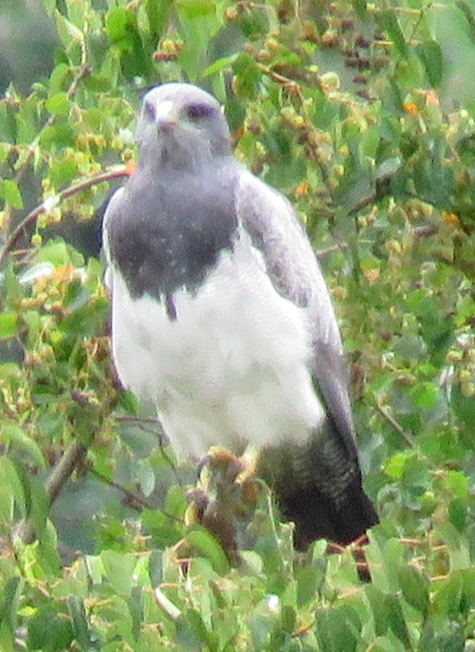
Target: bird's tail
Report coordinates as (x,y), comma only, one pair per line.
(317,516)
(319,487)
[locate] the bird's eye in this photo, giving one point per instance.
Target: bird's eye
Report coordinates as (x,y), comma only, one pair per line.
(149,111)
(197,112)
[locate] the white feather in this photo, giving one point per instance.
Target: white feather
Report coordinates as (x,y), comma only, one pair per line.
(231,369)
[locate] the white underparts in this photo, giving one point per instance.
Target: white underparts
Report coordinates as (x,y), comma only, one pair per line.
(231,369)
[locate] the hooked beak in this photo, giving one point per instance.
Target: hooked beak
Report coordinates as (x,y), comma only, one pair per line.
(165,116)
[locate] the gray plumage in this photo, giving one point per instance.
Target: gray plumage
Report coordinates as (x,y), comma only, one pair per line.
(222,318)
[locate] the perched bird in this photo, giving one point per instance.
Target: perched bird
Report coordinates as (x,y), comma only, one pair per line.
(222,319)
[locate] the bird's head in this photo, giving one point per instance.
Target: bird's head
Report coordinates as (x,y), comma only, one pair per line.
(181,126)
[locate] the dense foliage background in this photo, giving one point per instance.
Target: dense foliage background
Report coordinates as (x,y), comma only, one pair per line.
(363,114)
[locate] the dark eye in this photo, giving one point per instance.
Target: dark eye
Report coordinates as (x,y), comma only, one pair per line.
(149,111)
(197,112)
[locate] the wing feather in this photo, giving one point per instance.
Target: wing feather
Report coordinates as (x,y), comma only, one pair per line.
(293,267)
(111,210)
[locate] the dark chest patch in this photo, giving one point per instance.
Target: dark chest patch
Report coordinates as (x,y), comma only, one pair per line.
(168,233)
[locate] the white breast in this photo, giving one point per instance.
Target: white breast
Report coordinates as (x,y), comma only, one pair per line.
(230,370)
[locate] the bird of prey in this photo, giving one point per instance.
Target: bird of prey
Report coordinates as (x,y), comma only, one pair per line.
(222,319)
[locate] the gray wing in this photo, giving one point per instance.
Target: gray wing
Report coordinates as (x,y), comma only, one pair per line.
(112,207)
(291,262)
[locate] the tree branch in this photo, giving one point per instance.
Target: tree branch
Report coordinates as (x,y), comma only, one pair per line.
(73,457)
(113,173)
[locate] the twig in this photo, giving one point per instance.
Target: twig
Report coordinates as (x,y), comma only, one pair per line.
(113,173)
(362,203)
(397,426)
(166,605)
(132,496)
(137,420)
(72,458)
(426,230)
(322,253)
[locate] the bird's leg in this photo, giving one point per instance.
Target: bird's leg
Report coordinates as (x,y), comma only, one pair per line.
(226,489)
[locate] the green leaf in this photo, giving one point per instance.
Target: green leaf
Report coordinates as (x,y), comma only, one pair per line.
(459,483)
(207,546)
(12,595)
(8,127)
(155,568)
(77,295)
(247,74)
(10,192)
(334,632)
(288,618)
(448,595)
(163,530)
(191,632)
(388,22)
(468,590)
(176,502)
(9,325)
(467,11)
(218,66)
(394,466)
(430,54)
(121,26)
(361,9)
(376,599)
(462,405)
(11,491)
(191,9)
(59,104)
(425,395)
(59,78)
(123,32)
(119,569)
(58,136)
(308,581)
(49,631)
(82,630)
(415,588)
(15,435)
(157,14)
(68,32)
(136,609)
(458,514)
(396,619)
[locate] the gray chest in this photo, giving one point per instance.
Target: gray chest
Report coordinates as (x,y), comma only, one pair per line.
(168,233)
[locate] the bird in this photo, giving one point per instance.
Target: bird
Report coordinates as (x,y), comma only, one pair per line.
(222,320)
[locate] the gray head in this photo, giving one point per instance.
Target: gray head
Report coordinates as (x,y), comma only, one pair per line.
(181,127)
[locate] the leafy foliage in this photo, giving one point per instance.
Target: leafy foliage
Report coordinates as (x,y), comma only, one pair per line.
(363,115)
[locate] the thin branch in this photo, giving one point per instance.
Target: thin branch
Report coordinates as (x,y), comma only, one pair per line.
(166,605)
(72,458)
(116,172)
(131,496)
(362,203)
(426,230)
(137,420)
(397,426)
(322,253)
